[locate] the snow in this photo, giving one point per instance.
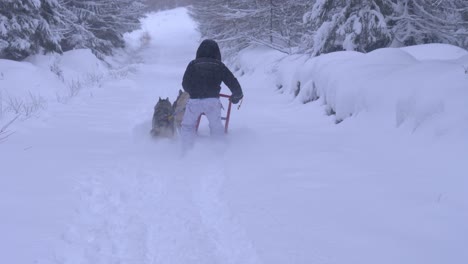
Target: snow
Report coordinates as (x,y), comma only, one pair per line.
(35,195)
(436,52)
(44,80)
(74,64)
(82,181)
(390,84)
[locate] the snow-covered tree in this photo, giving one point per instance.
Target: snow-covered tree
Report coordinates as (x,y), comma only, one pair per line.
(308,26)
(282,20)
(237,24)
(346,25)
(219,21)
(365,25)
(27,27)
(290,28)
(100,24)
(321,26)
(427,21)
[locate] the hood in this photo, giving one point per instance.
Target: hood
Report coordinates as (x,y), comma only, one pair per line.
(209,49)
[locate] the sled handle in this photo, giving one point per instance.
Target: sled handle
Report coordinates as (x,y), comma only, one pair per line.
(226,119)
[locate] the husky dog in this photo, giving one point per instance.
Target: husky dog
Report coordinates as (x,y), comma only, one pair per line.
(179,108)
(163,120)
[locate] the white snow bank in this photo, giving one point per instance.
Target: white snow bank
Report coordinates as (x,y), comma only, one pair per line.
(436,51)
(74,64)
(463,61)
(29,86)
(20,78)
(394,86)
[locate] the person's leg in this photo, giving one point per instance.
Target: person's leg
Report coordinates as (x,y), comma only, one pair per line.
(188,128)
(212,110)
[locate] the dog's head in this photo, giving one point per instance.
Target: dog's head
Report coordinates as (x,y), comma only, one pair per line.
(163,103)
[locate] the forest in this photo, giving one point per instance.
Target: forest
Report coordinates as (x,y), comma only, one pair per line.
(291,26)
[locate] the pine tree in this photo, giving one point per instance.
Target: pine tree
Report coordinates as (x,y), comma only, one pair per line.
(100,24)
(347,25)
(26,27)
(428,21)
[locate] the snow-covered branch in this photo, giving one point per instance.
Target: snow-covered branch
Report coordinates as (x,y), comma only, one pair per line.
(322,26)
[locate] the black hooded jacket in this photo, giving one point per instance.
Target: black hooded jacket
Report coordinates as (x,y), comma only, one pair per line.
(204,75)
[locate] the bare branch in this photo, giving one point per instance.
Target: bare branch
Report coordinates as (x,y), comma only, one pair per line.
(4,133)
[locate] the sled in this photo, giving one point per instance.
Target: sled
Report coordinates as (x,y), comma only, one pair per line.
(224,118)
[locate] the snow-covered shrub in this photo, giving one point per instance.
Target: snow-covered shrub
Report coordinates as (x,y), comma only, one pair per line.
(14,104)
(93,79)
(74,87)
(119,74)
(25,106)
(33,104)
(55,68)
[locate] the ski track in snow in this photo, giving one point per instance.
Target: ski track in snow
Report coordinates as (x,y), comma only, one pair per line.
(160,218)
(141,202)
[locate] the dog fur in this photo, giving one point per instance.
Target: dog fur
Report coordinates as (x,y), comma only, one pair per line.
(179,108)
(163,119)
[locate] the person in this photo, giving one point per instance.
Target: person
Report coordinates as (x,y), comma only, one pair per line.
(202,81)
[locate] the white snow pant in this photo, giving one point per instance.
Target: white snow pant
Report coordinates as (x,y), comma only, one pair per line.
(211,107)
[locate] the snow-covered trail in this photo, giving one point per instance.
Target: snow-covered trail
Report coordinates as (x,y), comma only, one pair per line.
(290,187)
(120,196)
(141,202)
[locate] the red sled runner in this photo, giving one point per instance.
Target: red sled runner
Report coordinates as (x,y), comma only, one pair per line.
(224,118)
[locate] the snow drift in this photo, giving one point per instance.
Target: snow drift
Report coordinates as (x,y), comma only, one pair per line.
(30,86)
(416,87)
